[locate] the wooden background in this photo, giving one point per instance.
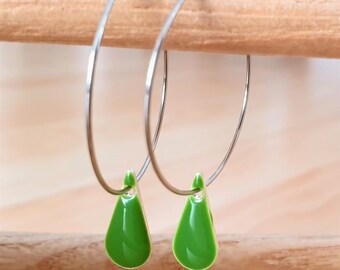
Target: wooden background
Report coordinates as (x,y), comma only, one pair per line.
(280,27)
(26,251)
(282,178)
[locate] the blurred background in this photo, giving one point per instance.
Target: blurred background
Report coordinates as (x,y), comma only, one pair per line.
(283,177)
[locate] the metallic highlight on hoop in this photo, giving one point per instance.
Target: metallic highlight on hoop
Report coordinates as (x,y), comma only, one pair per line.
(147,102)
(89,89)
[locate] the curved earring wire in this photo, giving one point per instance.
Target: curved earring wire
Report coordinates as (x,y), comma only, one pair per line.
(89,89)
(147,101)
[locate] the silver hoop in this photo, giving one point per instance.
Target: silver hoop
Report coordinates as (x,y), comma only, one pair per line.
(147,102)
(89,89)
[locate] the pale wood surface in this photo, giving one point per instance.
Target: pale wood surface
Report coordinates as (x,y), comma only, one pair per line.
(282,178)
(48,251)
(281,27)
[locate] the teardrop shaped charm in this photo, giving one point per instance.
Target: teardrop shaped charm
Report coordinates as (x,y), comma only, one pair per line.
(127,240)
(194,245)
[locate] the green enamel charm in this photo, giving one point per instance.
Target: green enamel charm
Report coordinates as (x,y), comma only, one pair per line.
(127,240)
(195,246)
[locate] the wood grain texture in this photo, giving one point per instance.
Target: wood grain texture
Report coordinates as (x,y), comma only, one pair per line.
(49,251)
(281,27)
(283,177)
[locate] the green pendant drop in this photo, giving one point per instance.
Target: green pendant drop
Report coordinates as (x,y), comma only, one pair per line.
(194,245)
(127,240)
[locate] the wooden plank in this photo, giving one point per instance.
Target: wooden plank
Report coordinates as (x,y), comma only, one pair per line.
(281,27)
(49,251)
(282,178)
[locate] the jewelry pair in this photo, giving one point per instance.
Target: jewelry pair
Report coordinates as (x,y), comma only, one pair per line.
(128,242)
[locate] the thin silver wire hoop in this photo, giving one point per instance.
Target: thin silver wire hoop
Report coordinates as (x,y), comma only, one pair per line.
(89,97)
(147,104)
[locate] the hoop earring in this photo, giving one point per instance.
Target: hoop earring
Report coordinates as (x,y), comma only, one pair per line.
(127,240)
(194,244)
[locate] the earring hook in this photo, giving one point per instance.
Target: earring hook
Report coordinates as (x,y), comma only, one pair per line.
(147,101)
(89,97)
